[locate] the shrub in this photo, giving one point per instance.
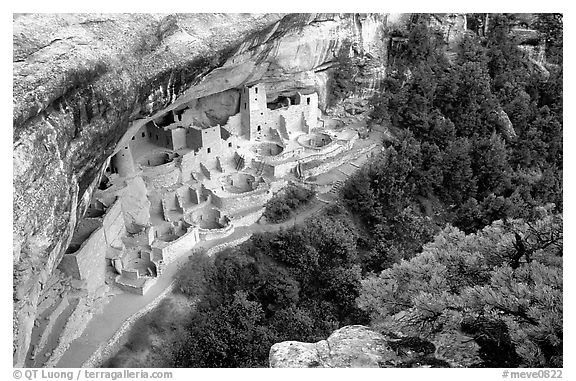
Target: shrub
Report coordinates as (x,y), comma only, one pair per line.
(280,207)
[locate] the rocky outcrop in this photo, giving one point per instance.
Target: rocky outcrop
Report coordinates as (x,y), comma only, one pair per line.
(506,126)
(349,347)
(356,346)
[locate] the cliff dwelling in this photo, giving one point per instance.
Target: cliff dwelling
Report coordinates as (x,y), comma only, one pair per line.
(183,181)
(184,178)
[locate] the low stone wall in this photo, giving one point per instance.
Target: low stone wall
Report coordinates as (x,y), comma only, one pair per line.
(236,202)
(139,290)
(326,152)
(215,249)
(249,218)
(162,176)
(283,168)
(286,161)
(151,172)
(171,250)
(210,234)
(284,156)
(130,273)
(193,208)
(327,166)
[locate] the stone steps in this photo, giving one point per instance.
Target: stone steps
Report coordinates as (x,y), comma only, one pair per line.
(337,186)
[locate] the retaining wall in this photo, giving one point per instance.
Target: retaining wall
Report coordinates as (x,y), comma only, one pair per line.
(249,218)
(171,250)
(235,202)
(210,234)
(139,290)
(215,249)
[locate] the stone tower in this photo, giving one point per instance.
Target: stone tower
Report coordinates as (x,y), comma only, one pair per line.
(253,111)
(123,162)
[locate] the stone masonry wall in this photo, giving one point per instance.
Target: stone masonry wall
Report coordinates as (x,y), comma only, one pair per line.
(178,247)
(165,179)
(89,262)
(241,201)
(249,218)
(113,224)
(210,234)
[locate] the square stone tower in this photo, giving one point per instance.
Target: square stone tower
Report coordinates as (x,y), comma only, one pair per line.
(309,103)
(253,111)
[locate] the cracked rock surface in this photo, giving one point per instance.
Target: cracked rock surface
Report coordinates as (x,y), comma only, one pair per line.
(358,346)
(354,346)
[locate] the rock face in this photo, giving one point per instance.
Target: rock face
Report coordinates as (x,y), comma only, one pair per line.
(353,346)
(356,346)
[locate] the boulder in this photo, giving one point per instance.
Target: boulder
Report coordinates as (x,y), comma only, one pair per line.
(358,346)
(353,346)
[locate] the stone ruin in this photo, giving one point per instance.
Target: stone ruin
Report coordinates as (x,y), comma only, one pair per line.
(178,180)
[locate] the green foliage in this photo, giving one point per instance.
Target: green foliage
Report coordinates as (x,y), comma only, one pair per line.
(467,157)
(193,278)
(342,84)
(462,159)
(281,206)
(490,162)
(230,335)
(510,305)
(297,284)
(459,183)
(551,28)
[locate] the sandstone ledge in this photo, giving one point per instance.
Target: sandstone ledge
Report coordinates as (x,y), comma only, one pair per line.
(353,346)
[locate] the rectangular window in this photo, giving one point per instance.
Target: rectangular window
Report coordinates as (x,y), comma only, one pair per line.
(143,134)
(208,150)
(256,90)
